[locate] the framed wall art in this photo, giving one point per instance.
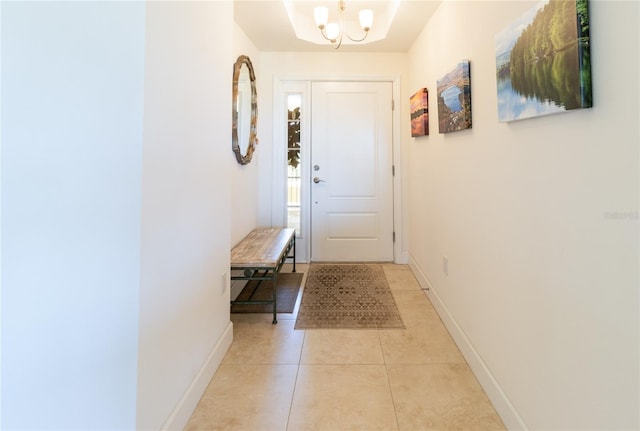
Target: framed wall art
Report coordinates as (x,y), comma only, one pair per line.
(454,99)
(543,61)
(419,103)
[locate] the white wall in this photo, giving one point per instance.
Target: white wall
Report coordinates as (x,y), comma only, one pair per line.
(244,178)
(186,207)
(539,220)
(72,99)
(332,65)
(115,211)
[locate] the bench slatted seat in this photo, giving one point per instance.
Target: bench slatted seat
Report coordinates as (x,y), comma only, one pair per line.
(260,256)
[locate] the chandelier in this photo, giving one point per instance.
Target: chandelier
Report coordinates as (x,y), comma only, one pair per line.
(335,31)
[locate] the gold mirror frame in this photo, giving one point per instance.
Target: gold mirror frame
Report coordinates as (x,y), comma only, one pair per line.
(244,159)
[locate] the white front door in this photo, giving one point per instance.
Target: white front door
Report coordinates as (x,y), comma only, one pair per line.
(351,171)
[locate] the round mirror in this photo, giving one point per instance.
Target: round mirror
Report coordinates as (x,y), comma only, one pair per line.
(245,110)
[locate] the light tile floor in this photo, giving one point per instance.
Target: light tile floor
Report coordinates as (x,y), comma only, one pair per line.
(276,378)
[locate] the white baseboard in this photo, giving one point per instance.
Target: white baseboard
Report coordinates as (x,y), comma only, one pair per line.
(187,404)
(500,400)
(423,281)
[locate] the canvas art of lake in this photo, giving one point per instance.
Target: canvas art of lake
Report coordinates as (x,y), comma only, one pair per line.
(543,61)
(454,99)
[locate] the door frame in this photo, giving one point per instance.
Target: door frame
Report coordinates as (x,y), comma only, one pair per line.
(281,87)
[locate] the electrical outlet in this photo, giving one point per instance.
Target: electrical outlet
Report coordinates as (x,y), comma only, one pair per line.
(445,265)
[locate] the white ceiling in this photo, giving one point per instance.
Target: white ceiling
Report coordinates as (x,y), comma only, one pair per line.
(267,24)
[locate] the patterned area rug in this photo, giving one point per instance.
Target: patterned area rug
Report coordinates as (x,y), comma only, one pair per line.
(347,296)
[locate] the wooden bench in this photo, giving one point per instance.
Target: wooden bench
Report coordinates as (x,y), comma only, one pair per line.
(260,256)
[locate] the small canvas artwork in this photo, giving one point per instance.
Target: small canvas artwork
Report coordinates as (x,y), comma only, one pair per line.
(454,99)
(419,103)
(543,63)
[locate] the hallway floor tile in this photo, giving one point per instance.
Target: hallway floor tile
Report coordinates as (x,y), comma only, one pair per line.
(277,378)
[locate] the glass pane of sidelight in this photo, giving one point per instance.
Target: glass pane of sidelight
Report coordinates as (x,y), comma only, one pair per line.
(294,102)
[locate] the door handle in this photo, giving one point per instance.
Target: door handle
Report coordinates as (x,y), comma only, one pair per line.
(318,180)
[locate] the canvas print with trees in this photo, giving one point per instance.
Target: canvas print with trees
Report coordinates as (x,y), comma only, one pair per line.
(543,63)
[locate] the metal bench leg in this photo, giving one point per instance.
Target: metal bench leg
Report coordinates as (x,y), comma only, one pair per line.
(275,296)
(294,252)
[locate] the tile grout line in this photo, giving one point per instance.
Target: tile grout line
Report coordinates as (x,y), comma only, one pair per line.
(295,383)
(384,359)
(386,364)
(393,399)
(304,338)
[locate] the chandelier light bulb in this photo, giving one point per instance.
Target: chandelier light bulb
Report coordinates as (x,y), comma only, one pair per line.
(366,19)
(321,15)
(333,31)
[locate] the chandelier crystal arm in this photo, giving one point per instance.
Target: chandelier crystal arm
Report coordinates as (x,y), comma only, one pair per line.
(366,33)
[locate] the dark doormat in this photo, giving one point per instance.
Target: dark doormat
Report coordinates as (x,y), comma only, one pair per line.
(288,287)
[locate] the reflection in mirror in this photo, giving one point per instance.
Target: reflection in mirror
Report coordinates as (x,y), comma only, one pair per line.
(245,110)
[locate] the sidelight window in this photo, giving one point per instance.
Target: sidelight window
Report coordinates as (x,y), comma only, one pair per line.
(294,104)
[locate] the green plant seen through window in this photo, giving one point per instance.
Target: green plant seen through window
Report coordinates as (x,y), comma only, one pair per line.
(293,135)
